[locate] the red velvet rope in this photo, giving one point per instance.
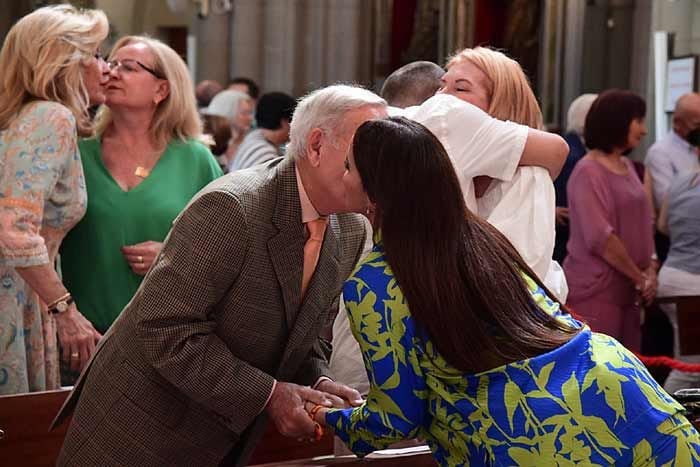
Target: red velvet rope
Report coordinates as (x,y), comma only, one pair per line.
(672,363)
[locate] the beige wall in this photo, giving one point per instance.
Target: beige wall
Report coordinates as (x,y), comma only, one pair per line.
(285,45)
(213,51)
(681,17)
(298,45)
(147,16)
(139,16)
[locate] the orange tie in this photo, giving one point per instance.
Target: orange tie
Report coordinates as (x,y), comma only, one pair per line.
(312,249)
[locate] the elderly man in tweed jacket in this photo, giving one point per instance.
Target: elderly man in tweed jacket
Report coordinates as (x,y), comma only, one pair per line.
(212,343)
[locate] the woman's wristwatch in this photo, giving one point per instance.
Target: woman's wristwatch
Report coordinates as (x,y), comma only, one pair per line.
(60,305)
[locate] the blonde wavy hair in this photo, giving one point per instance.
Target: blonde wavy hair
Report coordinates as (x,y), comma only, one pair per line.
(176,116)
(510,95)
(42,59)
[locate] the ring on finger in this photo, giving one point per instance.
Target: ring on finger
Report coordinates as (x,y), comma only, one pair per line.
(140,259)
(74,355)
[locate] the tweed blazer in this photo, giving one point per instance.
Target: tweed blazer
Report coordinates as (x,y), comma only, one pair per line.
(186,370)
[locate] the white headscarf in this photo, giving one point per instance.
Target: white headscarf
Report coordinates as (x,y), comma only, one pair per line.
(225,104)
(576,117)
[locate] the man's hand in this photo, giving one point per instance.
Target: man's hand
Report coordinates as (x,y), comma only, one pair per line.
(562,215)
(286,409)
(341,396)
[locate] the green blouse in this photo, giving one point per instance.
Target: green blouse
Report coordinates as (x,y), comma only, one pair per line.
(94,269)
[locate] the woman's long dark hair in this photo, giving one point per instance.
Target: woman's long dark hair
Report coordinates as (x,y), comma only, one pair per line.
(460,276)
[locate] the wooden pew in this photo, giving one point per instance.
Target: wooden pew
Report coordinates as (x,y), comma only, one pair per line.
(24,421)
(413,460)
(25,440)
(688,314)
(273,447)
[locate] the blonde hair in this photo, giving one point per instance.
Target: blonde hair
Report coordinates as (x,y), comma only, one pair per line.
(509,92)
(42,59)
(176,116)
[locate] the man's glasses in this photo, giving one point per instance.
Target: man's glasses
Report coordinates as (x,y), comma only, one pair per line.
(131,66)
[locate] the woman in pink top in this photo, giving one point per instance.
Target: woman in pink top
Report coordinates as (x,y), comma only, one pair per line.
(609,265)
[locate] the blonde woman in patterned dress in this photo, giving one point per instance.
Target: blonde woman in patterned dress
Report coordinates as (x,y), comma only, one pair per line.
(52,72)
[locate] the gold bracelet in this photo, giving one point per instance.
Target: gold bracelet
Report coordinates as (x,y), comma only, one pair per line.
(66,296)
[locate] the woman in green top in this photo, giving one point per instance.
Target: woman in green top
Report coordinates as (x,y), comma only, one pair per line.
(141,170)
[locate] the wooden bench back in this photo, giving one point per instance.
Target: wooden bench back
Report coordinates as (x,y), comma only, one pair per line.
(688,315)
(26,440)
(24,421)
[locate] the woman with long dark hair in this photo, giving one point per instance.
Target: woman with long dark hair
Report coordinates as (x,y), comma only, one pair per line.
(463,345)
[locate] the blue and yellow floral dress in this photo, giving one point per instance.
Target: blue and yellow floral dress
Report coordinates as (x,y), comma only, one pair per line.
(588,402)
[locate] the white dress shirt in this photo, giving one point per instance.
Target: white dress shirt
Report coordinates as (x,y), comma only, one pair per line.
(519,202)
(667,158)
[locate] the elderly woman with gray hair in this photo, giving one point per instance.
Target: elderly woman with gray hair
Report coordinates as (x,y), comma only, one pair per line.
(227,120)
(575,121)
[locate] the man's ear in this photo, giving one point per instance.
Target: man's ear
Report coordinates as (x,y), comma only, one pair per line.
(313,147)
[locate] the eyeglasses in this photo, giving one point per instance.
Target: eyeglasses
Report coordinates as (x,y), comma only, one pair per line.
(131,66)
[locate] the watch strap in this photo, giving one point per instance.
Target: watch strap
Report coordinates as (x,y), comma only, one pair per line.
(53,310)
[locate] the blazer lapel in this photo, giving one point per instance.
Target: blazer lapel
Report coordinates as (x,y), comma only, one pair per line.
(317,299)
(286,249)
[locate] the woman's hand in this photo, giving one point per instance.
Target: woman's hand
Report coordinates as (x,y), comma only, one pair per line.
(141,255)
(646,285)
(75,333)
(651,283)
(319,415)
(340,395)
(77,337)
(562,215)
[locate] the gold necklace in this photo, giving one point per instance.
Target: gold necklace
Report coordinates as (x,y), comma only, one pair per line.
(142,172)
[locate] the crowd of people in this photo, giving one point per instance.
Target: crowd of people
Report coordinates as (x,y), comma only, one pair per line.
(426,264)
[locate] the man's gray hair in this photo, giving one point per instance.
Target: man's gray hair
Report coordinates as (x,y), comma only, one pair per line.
(325,109)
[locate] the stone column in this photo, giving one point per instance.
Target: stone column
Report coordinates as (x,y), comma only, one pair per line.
(213,35)
(247,39)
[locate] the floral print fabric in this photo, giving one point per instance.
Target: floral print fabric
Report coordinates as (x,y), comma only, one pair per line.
(588,402)
(42,195)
